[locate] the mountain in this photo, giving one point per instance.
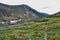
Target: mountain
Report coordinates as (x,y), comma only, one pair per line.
(55,15)
(19,11)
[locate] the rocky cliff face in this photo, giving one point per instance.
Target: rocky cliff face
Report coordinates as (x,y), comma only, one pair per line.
(19,11)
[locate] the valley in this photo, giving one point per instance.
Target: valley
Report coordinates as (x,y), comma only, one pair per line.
(22,22)
(33,31)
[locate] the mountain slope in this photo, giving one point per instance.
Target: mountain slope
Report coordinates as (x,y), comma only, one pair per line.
(55,15)
(19,11)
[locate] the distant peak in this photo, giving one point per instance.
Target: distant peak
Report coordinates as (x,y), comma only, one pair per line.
(24,5)
(2,4)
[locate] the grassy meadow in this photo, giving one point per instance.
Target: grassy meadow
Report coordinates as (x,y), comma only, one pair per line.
(32,30)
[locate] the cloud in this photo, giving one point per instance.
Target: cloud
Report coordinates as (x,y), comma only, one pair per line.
(45,7)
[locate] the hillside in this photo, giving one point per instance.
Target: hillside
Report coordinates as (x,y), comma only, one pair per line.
(19,11)
(32,30)
(41,28)
(55,15)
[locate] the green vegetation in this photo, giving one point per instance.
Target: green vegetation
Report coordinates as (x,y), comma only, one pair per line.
(55,15)
(32,31)
(33,26)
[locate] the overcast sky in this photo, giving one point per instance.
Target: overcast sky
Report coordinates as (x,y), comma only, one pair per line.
(47,6)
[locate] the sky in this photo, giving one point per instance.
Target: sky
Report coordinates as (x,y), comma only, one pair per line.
(47,6)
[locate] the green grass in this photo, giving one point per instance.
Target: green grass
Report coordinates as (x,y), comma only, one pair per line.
(33,31)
